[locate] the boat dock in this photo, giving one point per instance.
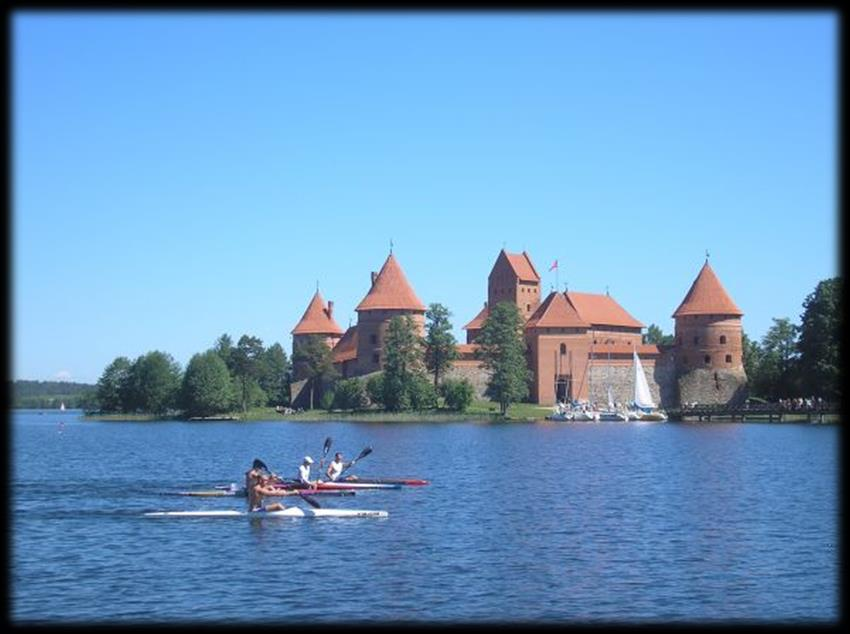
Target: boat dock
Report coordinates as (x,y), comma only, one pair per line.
(767,411)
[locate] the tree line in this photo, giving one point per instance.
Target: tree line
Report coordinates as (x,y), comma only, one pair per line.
(221,379)
(52,394)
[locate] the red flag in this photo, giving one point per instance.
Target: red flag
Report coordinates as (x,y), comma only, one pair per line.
(554,265)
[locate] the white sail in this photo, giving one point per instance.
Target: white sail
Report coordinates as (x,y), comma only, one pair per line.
(643,397)
(610,399)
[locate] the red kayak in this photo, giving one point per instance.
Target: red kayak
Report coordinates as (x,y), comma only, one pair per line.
(401,481)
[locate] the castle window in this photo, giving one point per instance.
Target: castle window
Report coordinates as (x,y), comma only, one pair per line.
(728,358)
(376,358)
(696,340)
(707,359)
(563,348)
(528,307)
(373,338)
(722,338)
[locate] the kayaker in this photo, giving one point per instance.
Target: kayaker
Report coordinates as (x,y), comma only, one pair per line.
(304,472)
(263,488)
(252,476)
(336,467)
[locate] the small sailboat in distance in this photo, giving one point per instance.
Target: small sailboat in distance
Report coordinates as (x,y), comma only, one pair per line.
(645,407)
(62,406)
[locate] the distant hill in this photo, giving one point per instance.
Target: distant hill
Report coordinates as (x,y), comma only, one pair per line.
(51,394)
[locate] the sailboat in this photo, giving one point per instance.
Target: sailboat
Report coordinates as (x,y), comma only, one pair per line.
(645,409)
(62,406)
(611,413)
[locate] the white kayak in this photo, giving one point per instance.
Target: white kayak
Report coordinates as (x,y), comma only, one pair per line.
(292,511)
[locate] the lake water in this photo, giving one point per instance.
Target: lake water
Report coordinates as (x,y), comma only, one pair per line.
(523,522)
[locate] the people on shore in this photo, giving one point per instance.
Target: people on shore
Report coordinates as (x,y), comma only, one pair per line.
(263,487)
(336,467)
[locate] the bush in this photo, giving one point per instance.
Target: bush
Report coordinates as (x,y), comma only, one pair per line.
(350,394)
(375,389)
(421,393)
(458,393)
(327,400)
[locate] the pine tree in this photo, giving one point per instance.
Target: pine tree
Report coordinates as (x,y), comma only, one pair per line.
(502,352)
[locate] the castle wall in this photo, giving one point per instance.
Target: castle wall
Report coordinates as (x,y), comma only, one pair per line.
(619,374)
(472,372)
(713,387)
(709,342)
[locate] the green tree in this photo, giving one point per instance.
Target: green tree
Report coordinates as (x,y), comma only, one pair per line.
(440,344)
(778,367)
(458,394)
(274,378)
(375,389)
(109,394)
(350,394)
(819,342)
(655,335)
(224,348)
(207,388)
(502,352)
(246,366)
(403,361)
(153,383)
(314,361)
(421,393)
(752,357)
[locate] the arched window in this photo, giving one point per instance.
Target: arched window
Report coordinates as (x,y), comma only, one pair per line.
(722,338)
(563,348)
(728,358)
(707,359)
(528,307)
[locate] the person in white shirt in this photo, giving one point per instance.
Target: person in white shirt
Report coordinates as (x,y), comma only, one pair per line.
(304,472)
(336,467)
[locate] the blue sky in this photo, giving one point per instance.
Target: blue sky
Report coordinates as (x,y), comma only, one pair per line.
(182,175)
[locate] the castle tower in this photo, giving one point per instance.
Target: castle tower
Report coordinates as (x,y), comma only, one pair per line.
(709,346)
(390,295)
(317,321)
(513,278)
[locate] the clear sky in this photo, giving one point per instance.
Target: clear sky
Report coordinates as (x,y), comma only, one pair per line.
(178,176)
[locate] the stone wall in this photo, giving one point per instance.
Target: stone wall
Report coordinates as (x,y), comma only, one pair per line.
(712,387)
(660,376)
(473,373)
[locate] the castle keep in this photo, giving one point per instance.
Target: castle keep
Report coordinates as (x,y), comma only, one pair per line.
(578,345)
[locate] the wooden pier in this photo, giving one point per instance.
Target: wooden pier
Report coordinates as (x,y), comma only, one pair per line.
(768,411)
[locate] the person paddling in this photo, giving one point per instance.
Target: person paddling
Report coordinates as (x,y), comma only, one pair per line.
(336,467)
(263,488)
(304,472)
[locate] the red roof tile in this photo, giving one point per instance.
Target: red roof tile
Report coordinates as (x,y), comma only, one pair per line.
(467,349)
(556,311)
(478,321)
(317,319)
(707,296)
(602,310)
(346,348)
(522,266)
(391,290)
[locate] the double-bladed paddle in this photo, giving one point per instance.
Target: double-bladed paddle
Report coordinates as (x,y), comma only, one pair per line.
(325,452)
(362,455)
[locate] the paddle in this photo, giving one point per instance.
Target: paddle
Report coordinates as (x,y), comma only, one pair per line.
(325,452)
(362,455)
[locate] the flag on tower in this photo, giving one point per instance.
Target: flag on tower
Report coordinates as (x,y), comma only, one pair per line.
(554,265)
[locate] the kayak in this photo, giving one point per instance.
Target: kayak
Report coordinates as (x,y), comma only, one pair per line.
(292,511)
(401,481)
(326,486)
(240,493)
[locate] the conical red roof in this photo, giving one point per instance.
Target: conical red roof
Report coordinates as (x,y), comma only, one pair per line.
(391,290)
(317,319)
(707,296)
(556,311)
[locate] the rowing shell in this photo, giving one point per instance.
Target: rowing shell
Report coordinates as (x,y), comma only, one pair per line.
(401,481)
(292,511)
(217,493)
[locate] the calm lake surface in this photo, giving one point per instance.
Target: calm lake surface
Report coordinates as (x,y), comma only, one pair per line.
(537,522)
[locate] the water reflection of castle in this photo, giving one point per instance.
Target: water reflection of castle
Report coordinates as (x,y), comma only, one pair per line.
(579,345)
